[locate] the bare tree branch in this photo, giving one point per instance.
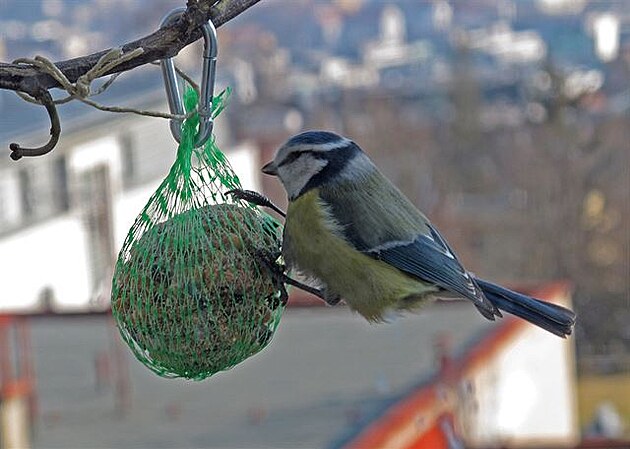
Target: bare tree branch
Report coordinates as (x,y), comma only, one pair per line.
(163,43)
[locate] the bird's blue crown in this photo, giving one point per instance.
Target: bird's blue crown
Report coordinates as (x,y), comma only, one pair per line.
(314,138)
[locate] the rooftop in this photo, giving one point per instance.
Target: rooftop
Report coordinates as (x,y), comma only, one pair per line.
(326,373)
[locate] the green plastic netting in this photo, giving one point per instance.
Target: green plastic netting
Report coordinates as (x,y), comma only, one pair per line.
(189,294)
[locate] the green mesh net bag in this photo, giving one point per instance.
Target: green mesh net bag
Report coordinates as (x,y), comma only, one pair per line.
(190,295)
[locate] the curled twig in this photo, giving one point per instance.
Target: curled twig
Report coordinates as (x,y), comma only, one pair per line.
(77,91)
(46,100)
(29,78)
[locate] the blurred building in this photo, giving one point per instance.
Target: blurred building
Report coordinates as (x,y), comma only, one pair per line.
(442,378)
(514,387)
(64,217)
(505,121)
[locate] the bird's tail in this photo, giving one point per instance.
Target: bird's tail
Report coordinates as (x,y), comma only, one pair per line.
(551,317)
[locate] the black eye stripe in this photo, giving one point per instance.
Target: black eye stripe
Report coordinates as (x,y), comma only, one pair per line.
(336,156)
(337,160)
(292,157)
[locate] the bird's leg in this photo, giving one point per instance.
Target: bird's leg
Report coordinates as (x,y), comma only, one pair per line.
(277,271)
(268,261)
(257,199)
(320,293)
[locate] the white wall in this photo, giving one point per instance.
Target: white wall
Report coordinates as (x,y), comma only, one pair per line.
(525,393)
(244,161)
(9,197)
(54,253)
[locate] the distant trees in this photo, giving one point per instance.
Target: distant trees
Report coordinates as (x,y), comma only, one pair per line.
(545,200)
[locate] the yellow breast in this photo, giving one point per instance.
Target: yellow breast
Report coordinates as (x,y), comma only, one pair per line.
(314,244)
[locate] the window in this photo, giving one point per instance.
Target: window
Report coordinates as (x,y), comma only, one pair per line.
(60,184)
(127,159)
(43,189)
(27,194)
(95,203)
(147,151)
(9,200)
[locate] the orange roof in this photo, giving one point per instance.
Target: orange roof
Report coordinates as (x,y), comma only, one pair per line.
(415,421)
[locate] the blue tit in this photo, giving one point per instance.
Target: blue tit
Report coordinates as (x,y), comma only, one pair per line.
(350,229)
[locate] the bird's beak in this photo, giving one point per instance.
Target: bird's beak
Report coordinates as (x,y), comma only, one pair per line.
(270,169)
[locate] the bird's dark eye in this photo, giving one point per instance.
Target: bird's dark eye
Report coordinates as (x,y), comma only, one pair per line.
(290,158)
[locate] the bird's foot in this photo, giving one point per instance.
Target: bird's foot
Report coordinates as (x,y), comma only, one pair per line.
(255,198)
(277,271)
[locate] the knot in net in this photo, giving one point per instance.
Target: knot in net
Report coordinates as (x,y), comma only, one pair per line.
(189,294)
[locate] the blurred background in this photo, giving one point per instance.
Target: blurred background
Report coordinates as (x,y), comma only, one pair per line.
(507,122)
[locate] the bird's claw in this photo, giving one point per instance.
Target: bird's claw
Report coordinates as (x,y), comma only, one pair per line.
(278,273)
(255,198)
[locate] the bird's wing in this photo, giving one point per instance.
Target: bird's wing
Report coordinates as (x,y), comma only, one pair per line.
(429,258)
(372,212)
(379,221)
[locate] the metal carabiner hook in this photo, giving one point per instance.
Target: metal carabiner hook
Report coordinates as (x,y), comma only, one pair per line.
(175,103)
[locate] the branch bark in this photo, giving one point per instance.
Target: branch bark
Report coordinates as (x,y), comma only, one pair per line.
(163,43)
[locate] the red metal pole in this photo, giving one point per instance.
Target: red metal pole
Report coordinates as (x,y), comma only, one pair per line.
(5,353)
(119,360)
(27,370)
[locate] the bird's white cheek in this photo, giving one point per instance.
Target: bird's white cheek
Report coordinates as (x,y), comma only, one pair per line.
(295,176)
